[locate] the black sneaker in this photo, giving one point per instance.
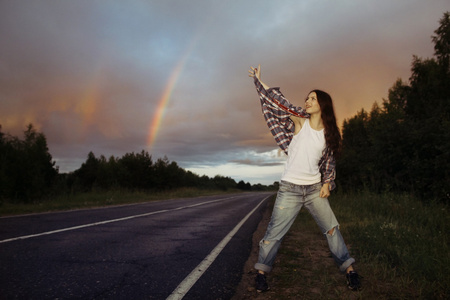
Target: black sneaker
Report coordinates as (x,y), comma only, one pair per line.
(353,282)
(261,283)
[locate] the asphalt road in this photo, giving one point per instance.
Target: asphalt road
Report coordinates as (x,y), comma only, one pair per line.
(183,248)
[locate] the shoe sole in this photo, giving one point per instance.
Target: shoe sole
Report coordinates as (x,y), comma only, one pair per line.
(262,291)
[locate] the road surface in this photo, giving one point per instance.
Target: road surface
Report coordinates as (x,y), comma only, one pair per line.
(174,249)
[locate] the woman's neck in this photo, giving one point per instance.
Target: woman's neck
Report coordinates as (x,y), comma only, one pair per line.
(315,121)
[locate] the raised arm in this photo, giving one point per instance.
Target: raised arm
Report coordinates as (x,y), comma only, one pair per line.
(273,96)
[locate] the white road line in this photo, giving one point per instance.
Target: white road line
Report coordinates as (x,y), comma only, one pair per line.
(182,289)
(109,221)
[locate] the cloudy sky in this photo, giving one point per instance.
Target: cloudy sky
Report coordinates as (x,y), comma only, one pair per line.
(170,76)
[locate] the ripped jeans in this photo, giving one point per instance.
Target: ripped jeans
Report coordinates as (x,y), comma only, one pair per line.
(290,199)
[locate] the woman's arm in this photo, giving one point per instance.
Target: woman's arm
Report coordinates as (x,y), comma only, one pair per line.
(273,96)
(277,119)
(327,166)
(298,123)
(277,111)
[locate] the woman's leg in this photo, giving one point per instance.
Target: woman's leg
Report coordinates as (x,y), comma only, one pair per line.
(323,215)
(287,206)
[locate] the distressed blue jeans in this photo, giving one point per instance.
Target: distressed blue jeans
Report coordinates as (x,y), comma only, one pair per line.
(290,199)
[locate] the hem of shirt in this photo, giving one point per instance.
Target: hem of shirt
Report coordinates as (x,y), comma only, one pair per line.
(300,182)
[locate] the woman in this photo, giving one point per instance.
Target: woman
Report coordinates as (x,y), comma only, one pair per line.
(311,139)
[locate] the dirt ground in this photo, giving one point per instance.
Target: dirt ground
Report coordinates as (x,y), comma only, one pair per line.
(313,273)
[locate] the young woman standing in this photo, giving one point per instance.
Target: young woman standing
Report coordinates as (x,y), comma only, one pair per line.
(311,139)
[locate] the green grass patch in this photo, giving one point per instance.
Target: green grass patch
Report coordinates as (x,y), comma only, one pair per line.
(100,199)
(400,244)
(400,240)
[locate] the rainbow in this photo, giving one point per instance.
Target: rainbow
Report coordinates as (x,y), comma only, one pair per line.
(162,104)
(164,100)
(170,86)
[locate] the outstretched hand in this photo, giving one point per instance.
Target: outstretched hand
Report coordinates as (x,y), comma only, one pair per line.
(255,72)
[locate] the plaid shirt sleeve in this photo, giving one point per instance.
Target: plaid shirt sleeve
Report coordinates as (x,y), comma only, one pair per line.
(277,111)
(327,167)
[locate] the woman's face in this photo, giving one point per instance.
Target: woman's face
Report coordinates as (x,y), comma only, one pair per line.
(311,104)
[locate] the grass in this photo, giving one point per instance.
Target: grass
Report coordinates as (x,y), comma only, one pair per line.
(401,246)
(99,199)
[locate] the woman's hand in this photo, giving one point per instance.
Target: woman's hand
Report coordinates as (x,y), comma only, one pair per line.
(255,72)
(325,191)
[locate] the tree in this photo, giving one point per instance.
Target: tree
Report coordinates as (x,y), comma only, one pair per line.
(403,145)
(136,170)
(428,114)
(40,167)
(442,42)
(27,171)
(86,175)
(244,186)
(352,166)
(224,183)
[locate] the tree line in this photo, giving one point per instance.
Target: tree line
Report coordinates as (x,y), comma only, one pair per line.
(403,144)
(28,173)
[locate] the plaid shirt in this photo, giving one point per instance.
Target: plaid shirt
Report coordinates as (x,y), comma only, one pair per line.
(277,111)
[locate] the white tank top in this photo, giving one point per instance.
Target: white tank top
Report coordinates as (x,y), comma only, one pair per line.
(304,154)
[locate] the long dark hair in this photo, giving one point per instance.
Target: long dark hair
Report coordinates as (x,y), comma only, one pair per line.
(332,133)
